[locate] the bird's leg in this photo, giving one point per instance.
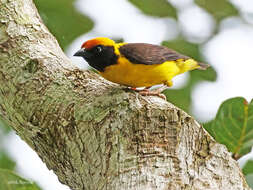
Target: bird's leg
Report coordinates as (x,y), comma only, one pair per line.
(132,88)
(147,88)
(137,90)
(156,92)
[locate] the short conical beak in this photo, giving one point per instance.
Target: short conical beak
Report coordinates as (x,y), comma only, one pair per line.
(80,52)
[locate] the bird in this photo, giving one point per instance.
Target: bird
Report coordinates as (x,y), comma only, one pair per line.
(137,64)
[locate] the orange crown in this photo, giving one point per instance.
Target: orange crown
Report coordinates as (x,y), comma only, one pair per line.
(98,41)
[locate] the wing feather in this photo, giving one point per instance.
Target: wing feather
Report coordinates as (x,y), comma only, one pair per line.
(148,54)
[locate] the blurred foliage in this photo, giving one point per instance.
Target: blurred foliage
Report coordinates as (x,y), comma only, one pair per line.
(4,127)
(182,97)
(63,20)
(233,126)
(249,180)
(159,8)
(248,172)
(248,168)
(11,181)
(220,9)
(5,161)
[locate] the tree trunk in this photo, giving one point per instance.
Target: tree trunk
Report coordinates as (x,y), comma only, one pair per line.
(94,134)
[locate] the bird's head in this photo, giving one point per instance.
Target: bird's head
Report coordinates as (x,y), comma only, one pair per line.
(98,52)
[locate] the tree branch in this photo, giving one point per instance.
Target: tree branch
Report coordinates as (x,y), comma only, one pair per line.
(92,133)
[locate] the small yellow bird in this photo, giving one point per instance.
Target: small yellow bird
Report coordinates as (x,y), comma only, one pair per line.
(136,64)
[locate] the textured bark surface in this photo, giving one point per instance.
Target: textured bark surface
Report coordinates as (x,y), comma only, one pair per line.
(92,133)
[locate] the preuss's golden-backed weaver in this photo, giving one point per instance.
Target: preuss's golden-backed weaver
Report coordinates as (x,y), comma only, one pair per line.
(136,64)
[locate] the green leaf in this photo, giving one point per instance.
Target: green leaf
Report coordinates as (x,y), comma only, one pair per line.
(4,126)
(220,9)
(184,47)
(11,181)
(208,126)
(159,8)
(233,126)
(248,168)
(6,162)
(63,20)
(183,97)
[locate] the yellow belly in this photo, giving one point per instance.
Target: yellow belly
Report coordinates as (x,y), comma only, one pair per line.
(140,75)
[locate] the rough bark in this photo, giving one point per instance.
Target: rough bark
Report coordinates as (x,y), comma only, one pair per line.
(94,134)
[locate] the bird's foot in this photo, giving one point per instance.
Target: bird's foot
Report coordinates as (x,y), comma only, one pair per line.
(152,93)
(156,92)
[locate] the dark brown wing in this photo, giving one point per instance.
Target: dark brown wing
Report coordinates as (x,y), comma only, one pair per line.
(148,54)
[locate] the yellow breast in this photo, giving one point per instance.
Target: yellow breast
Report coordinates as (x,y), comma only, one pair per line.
(140,75)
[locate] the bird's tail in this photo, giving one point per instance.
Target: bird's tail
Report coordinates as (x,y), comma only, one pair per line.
(202,66)
(190,64)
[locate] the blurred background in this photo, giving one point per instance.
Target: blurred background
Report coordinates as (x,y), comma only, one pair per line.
(217,32)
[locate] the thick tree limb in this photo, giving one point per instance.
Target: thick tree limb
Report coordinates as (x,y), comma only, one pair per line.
(92,133)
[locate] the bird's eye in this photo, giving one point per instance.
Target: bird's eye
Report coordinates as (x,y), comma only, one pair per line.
(99,49)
